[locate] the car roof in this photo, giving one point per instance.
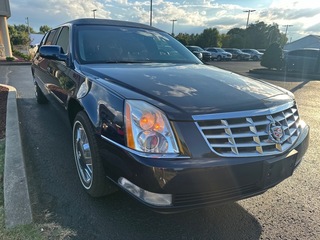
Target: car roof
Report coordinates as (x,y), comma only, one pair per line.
(96,21)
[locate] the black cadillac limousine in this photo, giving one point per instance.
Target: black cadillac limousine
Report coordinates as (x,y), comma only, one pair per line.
(150,118)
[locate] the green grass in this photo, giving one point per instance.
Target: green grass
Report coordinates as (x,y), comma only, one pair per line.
(32,231)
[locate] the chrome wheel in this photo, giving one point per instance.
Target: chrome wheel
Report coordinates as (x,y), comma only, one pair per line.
(82,154)
(87,157)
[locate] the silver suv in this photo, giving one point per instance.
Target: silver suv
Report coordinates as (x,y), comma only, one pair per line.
(219,54)
(255,55)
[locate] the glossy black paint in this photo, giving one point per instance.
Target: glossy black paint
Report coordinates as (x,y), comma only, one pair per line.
(178,86)
(181,91)
(204,179)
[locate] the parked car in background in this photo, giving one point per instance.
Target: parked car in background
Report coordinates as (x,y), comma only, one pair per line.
(151,119)
(219,54)
(302,60)
(262,50)
(197,53)
(255,55)
(206,56)
(238,54)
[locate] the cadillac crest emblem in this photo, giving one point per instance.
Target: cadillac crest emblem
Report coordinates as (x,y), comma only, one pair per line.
(275,131)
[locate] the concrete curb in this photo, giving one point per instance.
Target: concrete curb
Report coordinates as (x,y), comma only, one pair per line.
(8,63)
(17,204)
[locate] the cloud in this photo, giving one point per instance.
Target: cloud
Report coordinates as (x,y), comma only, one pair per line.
(192,16)
(314,28)
(289,14)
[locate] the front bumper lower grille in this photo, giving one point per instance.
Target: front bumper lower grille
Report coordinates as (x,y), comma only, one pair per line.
(251,133)
(214,197)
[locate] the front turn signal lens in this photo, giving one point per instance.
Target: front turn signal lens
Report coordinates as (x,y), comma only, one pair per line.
(129,133)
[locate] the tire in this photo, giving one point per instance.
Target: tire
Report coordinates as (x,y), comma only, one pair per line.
(255,58)
(88,161)
(219,58)
(239,58)
(40,97)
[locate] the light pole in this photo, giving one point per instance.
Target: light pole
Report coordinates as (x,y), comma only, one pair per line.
(150,12)
(94,13)
(28,25)
(173,20)
(287,28)
(248,11)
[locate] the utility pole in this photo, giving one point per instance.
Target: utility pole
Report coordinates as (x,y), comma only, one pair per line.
(249,11)
(28,25)
(173,20)
(29,37)
(94,13)
(150,12)
(287,28)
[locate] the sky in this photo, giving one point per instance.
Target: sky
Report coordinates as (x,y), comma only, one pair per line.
(298,17)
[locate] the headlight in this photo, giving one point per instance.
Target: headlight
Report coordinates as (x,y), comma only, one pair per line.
(148,129)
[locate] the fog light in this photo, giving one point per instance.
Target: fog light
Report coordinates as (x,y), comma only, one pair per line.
(148,197)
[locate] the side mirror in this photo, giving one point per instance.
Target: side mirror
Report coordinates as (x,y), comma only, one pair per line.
(53,52)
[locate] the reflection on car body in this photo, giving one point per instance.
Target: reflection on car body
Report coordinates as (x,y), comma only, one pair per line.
(150,118)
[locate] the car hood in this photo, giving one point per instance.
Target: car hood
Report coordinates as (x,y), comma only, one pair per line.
(188,89)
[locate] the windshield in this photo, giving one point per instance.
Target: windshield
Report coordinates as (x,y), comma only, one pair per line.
(110,44)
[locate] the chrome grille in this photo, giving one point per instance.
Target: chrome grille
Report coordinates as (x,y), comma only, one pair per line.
(248,133)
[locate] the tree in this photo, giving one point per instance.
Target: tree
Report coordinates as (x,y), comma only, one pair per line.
(257,36)
(19,34)
(224,40)
(236,38)
(208,38)
(183,38)
(44,29)
(272,58)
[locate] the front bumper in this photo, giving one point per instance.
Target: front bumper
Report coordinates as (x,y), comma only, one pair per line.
(198,182)
(227,57)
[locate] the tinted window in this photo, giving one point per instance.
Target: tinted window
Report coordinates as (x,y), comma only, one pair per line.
(63,39)
(51,37)
(108,44)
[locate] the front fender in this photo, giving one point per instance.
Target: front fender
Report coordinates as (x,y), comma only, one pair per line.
(105,110)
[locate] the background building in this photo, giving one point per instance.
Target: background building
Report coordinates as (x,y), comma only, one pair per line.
(311,41)
(5,46)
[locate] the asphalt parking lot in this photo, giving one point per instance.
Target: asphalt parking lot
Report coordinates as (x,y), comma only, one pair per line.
(290,210)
